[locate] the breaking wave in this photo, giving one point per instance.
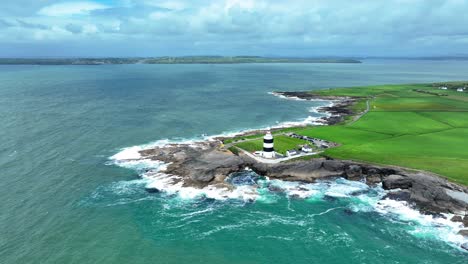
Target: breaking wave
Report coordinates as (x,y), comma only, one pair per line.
(248,187)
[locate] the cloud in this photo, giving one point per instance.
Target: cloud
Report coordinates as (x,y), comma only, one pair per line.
(70,8)
(25,24)
(4,23)
(294,27)
(74,28)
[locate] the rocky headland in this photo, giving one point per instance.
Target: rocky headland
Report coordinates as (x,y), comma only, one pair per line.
(208,163)
(337,112)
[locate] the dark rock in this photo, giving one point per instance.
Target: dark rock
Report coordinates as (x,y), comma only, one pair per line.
(387,171)
(208,164)
(464,246)
(465,220)
(431,194)
(208,200)
(299,171)
(396,181)
(274,189)
(403,195)
(456,218)
(463,232)
(152,190)
(354,172)
(202,176)
(373,176)
(333,165)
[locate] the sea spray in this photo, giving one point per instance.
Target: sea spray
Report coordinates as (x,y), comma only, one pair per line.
(359,197)
(246,186)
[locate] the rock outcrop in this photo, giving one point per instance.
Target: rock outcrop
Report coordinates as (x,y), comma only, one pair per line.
(432,194)
(207,163)
(338,111)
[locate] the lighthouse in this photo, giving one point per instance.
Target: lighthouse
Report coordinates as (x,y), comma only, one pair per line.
(268,150)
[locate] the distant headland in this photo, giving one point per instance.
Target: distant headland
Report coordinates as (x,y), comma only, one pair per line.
(170,60)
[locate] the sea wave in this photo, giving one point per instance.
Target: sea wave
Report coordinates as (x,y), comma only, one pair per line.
(295,98)
(125,155)
(132,153)
(359,196)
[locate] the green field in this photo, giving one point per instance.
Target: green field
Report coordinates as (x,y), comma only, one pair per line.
(416,126)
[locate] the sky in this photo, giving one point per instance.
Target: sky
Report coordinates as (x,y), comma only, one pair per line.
(299,28)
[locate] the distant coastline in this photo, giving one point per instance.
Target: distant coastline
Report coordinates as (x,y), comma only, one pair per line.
(170,60)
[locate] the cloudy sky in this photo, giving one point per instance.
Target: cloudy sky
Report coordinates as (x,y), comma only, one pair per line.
(57,28)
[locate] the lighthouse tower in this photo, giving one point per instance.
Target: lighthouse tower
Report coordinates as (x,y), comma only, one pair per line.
(268,150)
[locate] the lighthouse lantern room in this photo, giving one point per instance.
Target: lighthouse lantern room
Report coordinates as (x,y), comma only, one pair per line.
(268,149)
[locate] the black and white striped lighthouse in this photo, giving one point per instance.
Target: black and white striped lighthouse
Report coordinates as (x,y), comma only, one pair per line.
(268,149)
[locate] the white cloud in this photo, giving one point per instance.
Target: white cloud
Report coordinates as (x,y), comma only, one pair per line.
(242,24)
(173,5)
(71,8)
(159,15)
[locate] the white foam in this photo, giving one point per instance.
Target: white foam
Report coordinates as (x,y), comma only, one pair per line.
(310,120)
(427,225)
(172,184)
(365,199)
(424,226)
(344,188)
(295,98)
(128,153)
(357,193)
(142,164)
(296,189)
(133,153)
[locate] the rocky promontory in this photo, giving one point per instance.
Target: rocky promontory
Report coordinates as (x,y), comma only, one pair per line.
(337,112)
(207,163)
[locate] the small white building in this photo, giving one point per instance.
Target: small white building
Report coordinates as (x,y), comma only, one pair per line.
(291,152)
(460,89)
(443,88)
(306,149)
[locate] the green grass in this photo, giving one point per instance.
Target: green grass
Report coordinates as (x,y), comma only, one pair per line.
(342,134)
(236,139)
(251,146)
(404,127)
(234,150)
(282,144)
(398,123)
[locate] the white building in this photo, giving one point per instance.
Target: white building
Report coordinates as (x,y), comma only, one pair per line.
(460,90)
(268,146)
(291,152)
(306,149)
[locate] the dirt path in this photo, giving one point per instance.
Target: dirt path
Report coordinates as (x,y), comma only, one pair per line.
(356,118)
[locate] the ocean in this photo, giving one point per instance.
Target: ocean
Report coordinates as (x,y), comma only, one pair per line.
(67,197)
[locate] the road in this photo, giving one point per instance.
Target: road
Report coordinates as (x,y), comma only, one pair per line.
(356,118)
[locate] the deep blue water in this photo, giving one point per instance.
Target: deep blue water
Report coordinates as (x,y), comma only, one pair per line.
(62,202)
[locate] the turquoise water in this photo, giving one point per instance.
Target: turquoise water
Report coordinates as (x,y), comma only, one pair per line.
(62,201)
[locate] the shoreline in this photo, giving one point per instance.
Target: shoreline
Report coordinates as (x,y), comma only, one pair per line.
(335,112)
(205,165)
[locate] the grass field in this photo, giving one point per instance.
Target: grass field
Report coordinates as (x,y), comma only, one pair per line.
(412,125)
